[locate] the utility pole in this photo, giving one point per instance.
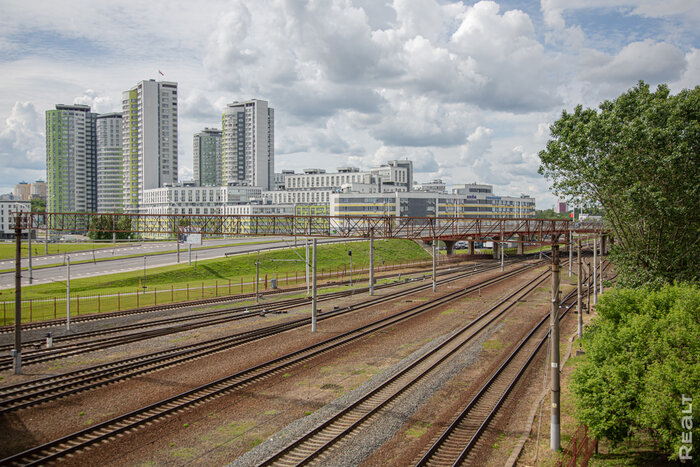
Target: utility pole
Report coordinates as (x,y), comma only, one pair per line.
(350,254)
(600,273)
(435,253)
(144,272)
(68,293)
(17,351)
(178,250)
(257,278)
(371,265)
(29,249)
(314,309)
(503,254)
(46,236)
(308,282)
(555,433)
(588,290)
(578,297)
(189,254)
(595,270)
(571,250)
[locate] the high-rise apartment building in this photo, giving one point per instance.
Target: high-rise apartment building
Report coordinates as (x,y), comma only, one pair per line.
(248,144)
(149,139)
(23,191)
(207,157)
(109,162)
(71,159)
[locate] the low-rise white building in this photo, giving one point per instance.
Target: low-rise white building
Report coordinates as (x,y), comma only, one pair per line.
(463,202)
(7,221)
(188,198)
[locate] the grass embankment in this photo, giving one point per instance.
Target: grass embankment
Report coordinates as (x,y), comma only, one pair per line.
(204,279)
(7,250)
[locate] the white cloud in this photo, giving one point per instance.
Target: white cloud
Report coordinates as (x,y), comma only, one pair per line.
(98,102)
(466,91)
(22,138)
(648,60)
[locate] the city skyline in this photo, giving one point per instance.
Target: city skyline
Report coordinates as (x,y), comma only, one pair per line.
(466,91)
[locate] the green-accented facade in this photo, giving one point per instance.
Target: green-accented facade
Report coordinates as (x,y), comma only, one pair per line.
(71,159)
(130,150)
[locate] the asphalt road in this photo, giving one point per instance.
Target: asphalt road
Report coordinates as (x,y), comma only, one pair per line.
(77,271)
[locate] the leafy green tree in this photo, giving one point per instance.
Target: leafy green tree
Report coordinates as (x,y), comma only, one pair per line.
(38,205)
(101,227)
(637,157)
(642,358)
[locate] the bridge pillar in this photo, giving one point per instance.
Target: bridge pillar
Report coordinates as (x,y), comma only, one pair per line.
(495,249)
(449,247)
(521,245)
(470,246)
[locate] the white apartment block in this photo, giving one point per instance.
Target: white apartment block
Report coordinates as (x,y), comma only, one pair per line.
(186,198)
(315,186)
(109,163)
(149,139)
(248,144)
(465,201)
(7,221)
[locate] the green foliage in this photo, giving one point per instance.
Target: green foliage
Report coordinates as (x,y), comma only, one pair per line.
(642,356)
(637,158)
(102,223)
(550,214)
(38,205)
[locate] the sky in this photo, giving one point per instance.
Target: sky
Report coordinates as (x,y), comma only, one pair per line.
(467,90)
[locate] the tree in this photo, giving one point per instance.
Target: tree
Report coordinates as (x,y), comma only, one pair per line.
(101,226)
(637,157)
(642,360)
(38,205)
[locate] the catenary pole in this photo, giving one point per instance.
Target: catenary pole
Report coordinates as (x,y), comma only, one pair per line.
(555,433)
(595,270)
(371,265)
(314,309)
(17,351)
(571,250)
(308,281)
(68,293)
(29,251)
(578,296)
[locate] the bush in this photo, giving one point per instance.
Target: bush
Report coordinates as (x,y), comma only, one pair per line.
(641,359)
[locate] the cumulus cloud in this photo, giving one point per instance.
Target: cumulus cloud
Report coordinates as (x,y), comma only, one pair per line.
(465,89)
(22,138)
(98,102)
(654,62)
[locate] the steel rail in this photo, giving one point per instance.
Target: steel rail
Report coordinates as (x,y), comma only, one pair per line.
(35,392)
(102,431)
(323,437)
(43,355)
(440,451)
(9,329)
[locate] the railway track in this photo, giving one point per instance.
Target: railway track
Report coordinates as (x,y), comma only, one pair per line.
(456,444)
(9,329)
(111,428)
(80,343)
(38,391)
(315,446)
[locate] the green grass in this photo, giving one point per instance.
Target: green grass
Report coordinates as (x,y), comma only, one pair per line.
(183,250)
(7,250)
(332,261)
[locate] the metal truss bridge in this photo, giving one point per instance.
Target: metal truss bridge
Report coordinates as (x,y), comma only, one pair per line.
(415,228)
